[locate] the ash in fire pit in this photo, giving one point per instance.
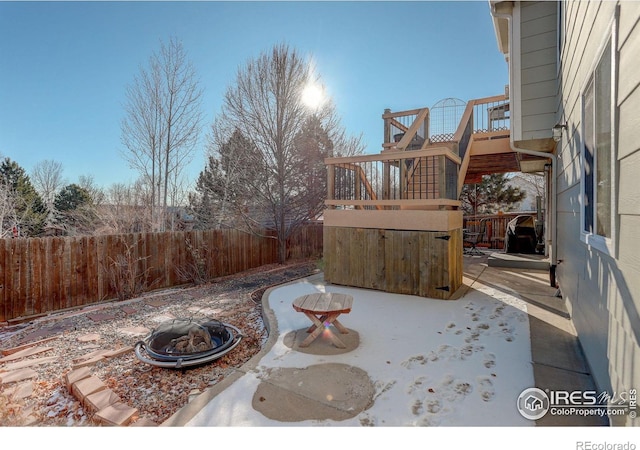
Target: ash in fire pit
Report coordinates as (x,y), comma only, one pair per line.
(182,342)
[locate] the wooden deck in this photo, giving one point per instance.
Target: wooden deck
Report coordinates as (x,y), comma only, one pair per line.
(393,221)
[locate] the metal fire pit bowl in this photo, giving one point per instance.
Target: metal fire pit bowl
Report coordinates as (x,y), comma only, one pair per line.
(162,347)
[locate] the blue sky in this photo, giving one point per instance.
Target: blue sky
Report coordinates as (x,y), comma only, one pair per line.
(64,66)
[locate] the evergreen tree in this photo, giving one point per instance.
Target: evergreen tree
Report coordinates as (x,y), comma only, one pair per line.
(221,183)
(312,145)
(74,210)
(71,197)
(491,195)
(30,211)
(203,203)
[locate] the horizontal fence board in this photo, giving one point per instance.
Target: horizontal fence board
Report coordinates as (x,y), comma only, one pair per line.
(43,275)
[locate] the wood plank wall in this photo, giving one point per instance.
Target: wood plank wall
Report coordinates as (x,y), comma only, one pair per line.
(42,275)
(423,263)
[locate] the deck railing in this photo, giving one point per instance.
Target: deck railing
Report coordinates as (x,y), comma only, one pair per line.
(483,116)
(463,134)
(491,114)
(394,180)
(483,119)
(412,171)
(406,130)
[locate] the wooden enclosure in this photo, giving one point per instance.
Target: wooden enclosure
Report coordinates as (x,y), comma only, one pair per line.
(423,263)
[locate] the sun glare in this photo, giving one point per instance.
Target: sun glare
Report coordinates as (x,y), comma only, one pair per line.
(313,95)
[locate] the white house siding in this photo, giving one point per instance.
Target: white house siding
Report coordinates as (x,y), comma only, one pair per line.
(538,69)
(603,291)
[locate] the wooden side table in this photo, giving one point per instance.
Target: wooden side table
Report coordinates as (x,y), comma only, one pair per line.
(323,310)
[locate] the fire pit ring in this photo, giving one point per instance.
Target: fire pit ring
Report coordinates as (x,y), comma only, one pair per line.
(180,343)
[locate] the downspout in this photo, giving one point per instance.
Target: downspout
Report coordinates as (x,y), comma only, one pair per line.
(552,233)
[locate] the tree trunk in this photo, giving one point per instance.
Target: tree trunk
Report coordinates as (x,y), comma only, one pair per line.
(282,247)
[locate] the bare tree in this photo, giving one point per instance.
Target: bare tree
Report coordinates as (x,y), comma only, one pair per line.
(96,192)
(46,177)
(8,213)
(178,198)
(274,174)
(534,182)
(125,209)
(163,118)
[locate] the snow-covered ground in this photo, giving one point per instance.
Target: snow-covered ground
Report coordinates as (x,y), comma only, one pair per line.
(432,362)
(447,374)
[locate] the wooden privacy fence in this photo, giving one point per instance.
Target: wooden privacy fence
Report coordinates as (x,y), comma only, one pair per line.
(496,227)
(41,275)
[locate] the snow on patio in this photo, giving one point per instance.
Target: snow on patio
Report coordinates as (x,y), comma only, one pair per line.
(432,362)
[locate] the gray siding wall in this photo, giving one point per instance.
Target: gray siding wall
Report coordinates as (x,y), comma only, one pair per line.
(603,292)
(538,71)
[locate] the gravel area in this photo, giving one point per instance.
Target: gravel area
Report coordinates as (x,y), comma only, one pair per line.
(157,393)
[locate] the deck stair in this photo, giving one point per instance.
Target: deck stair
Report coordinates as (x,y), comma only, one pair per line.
(483,130)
